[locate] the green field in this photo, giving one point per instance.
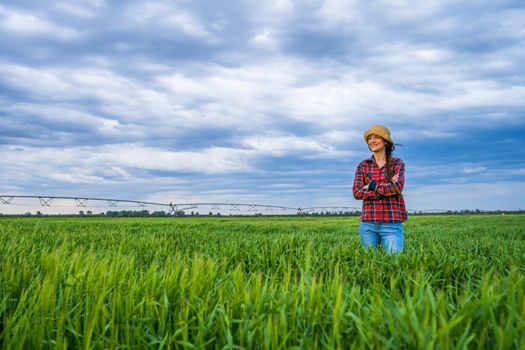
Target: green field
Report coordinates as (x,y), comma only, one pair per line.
(261,282)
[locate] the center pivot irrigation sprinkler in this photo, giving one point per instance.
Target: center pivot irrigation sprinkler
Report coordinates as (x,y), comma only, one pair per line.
(173,208)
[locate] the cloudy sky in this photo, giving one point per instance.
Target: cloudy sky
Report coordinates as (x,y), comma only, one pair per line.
(262,101)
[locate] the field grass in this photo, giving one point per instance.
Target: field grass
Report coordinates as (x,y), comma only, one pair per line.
(254,283)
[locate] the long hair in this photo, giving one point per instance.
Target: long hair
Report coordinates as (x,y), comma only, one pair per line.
(389,149)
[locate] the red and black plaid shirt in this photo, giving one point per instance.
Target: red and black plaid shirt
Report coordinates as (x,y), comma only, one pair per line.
(383,204)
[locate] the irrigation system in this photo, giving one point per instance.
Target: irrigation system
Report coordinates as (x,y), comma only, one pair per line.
(173,208)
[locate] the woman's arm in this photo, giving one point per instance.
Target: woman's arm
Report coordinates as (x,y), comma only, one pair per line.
(398,181)
(359,188)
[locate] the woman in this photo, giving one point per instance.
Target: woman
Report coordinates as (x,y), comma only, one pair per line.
(379,181)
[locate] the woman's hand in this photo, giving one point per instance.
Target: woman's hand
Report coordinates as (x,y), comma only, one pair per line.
(395,179)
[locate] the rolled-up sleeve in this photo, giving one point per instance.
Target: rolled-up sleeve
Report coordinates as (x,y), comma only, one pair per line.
(359,183)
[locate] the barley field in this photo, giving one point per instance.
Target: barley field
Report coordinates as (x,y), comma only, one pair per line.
(260,283)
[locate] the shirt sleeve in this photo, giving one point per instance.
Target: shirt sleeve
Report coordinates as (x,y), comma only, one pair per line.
(359,183)
(386,188)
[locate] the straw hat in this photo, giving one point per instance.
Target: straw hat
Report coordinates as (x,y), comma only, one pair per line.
(380,131)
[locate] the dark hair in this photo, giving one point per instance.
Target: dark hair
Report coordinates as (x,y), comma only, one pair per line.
(389,148)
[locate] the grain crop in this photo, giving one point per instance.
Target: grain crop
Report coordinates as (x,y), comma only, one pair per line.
(260,283)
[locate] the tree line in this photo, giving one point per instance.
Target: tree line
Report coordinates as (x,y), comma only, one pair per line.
(181,213)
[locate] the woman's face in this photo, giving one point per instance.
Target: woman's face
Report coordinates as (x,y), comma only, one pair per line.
(375,143)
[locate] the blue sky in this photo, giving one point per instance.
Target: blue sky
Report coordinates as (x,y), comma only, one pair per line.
(262,102)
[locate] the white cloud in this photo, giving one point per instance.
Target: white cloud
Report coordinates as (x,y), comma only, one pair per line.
(478,94)
(265,39)
(169,17)
(341,13)
(347,135)
(280,145)
(474,169)
(484,196)
(245,97)
(273,13)
(519,171)
(346,101)
(453,172)
(424,132)
(404,10)
(37,82)
(211,160)
(87,160)
(22,23)
(286,185)
(75,178)
(77,9)
(61,118)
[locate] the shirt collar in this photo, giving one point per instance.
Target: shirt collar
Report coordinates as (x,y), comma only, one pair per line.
(371,159)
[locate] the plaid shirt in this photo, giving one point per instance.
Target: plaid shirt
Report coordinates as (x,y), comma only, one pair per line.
(381,205)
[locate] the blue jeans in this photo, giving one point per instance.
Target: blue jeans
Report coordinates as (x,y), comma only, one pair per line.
(388,235)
